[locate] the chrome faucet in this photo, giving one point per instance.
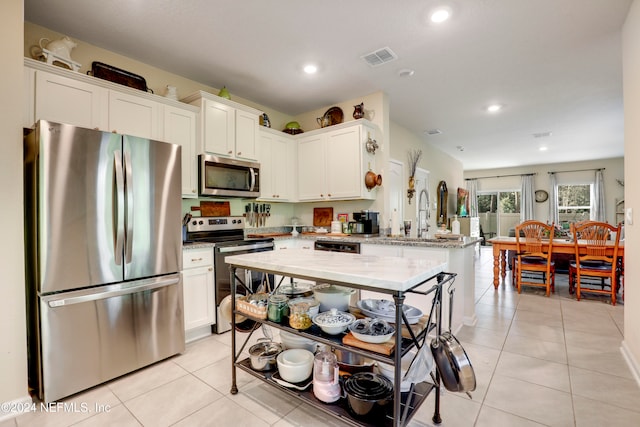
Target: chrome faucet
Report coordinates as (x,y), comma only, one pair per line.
(423,213)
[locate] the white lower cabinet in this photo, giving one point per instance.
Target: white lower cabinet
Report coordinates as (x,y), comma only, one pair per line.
(199,289)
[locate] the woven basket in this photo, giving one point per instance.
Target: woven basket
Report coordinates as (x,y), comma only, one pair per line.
(246,307)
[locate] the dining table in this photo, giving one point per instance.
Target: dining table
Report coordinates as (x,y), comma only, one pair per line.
(560,246)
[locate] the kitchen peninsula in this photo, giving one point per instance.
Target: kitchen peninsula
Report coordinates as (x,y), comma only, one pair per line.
(458,254)
(393,276)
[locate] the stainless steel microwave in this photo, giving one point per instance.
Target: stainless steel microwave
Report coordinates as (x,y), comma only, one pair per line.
(223,177)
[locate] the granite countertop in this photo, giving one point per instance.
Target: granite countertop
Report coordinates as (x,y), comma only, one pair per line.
(379,272)
(392,241)
(389,241)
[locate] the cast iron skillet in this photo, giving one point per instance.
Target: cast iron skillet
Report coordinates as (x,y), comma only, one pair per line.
(451,360)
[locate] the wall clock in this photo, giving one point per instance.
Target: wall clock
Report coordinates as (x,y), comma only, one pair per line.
(541,196)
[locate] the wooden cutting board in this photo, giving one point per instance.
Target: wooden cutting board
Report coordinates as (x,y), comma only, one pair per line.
(383,348)
(268,234)
(322,217)
(215,208)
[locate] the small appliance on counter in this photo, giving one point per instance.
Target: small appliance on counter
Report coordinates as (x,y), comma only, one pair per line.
(326,386)
(366,223)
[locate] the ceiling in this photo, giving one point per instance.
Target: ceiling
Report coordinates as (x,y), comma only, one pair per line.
(555,65)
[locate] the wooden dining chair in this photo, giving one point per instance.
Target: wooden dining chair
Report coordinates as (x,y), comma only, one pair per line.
(596,267)
(533,262)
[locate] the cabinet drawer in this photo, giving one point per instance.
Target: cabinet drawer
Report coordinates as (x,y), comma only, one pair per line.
(192,258)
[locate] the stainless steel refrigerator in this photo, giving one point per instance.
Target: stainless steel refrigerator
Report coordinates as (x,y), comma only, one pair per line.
(103,256)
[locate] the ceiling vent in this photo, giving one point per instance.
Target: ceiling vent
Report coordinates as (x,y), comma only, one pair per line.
(542,134)
(433,132)
(379,57)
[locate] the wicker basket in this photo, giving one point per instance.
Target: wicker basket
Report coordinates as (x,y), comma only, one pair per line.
(253,310)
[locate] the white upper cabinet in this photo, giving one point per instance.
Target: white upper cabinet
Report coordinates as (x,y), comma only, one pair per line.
(332,163)
(65,100)
(59,95)
(180,126)
(277,166)
(133,115)
(228,129)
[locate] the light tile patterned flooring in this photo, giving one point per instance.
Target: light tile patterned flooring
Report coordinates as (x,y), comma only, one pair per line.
(538,362)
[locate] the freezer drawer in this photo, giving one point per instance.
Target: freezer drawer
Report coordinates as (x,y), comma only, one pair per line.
(91,336)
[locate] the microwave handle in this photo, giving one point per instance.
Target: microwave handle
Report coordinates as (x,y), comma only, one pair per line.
(252,185)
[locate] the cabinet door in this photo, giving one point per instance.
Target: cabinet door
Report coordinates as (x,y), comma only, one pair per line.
(218,128)
(344,175)
(284,173)
(180,128)
(133,115)
(246,141)
(29,82)
(198,297)
(64,100)
(311,168)
(267,168)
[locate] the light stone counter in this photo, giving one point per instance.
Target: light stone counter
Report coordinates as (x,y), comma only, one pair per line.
(368,271)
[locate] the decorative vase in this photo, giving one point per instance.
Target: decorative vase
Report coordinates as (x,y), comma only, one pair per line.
(358,111)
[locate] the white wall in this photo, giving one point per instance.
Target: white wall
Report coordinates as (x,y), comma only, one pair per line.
(631,82)
(614,169)
(440,165)
(13,333)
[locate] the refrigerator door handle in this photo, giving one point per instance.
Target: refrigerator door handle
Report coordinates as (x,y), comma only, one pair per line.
(119,206)
(146,285)
(129,218)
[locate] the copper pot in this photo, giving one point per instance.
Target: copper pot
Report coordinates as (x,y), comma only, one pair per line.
(371,180)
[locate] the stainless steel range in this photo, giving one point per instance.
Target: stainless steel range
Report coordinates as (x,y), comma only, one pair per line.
(227,236)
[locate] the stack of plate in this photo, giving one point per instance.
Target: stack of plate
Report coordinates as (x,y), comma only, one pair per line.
(386,310)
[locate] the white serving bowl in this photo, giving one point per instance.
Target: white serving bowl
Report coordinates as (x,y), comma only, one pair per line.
(374,331)
(389,370)
(333,322)
(295,365)
(290,341)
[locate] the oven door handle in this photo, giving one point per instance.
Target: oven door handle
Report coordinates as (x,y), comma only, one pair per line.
(227,249)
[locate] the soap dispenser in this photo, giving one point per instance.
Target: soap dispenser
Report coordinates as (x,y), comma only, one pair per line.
(455,225)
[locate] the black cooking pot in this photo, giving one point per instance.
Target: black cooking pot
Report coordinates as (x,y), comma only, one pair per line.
(367,393)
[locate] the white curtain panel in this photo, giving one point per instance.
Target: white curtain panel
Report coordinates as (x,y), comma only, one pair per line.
(472,187)
(597,199)
(553,199)
(526,209)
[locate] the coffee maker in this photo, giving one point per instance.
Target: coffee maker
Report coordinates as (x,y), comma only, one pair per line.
(369,221)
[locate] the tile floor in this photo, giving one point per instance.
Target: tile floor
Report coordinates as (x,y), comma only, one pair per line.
(538,362)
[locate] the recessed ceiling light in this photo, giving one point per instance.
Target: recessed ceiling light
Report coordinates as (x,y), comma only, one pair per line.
(310,69)
(543,148)
(440,15)
(405,72)
(494,108)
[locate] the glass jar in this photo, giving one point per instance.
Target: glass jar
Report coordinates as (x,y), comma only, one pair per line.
(277,309)
(299,317)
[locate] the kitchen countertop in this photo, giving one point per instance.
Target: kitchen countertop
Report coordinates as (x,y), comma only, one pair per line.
(389,241)
(375,272)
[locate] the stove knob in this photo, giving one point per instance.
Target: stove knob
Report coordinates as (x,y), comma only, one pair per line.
(194,222)
(239,221)
(201,222)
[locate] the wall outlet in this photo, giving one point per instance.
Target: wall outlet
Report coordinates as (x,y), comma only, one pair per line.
(628,216)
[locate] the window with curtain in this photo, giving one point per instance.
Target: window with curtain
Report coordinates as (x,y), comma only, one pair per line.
(574,203)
